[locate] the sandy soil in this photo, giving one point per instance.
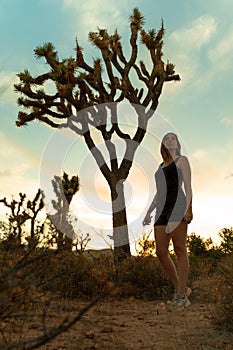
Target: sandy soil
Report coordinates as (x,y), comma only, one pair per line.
(132,324)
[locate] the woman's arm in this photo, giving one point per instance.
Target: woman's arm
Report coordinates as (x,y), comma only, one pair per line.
(186,171)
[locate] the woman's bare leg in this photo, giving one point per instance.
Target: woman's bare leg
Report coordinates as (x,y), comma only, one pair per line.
(179,236)
(162,240)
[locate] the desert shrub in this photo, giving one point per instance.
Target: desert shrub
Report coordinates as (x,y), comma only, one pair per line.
(145,246)
(203,267)
(21,298)
(226,235)
(76,276)
(27,299)
(196,245)
(204,256)
(143,277)
(224,307)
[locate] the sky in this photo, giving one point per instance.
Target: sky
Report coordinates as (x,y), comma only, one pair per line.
(198,40)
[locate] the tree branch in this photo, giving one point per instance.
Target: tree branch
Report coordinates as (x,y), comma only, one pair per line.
(97,155)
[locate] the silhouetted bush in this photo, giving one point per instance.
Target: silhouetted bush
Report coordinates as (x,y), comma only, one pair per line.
(76,276)
(143,277)
(226,235)
(224,308)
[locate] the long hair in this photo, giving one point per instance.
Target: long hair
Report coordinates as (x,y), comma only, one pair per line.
(164,151)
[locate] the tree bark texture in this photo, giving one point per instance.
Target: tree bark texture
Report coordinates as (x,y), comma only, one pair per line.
(119,219)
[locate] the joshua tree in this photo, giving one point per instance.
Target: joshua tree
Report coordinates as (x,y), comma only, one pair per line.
(95,89)
(69,187)
(18,216)
(34,207)
(20,212)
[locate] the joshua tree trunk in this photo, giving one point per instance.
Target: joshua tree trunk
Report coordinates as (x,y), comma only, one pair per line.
(119,218)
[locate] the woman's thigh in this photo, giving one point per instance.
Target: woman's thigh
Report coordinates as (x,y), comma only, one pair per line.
(162,238)
(179,236)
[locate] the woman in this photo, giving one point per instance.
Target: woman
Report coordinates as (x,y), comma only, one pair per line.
(173,214)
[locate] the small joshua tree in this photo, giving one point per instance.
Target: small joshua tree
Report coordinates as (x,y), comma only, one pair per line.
(96,89)
(17,217)
(69,187)
(21,211)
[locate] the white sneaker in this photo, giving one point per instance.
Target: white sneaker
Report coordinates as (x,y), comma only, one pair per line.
(188,292)
(179,302)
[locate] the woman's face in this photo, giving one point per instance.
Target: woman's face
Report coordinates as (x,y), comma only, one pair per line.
(170,142)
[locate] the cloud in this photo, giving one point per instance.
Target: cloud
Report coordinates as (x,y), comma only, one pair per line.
(184,46)
(19,166)
(7,81)
(98,13)
(200,154)
(210,166)
(202,51)
(229,176)
(196,35)
(221,56)
(228,121)
(4,173)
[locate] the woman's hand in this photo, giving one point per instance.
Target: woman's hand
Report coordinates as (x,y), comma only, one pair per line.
(188,216)
(147,219)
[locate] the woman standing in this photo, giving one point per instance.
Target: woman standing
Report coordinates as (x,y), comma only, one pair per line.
(173,214)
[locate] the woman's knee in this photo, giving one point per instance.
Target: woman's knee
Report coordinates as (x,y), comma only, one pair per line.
(180,250)
(161,254)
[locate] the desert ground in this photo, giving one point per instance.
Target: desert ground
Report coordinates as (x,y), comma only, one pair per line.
(123,324)
(136,324)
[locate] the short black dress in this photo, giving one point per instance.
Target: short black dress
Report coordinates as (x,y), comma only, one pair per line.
(171,200)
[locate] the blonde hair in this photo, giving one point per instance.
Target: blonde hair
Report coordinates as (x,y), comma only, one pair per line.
(164,151)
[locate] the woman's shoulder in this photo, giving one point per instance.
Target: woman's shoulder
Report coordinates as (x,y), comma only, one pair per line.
(182,160)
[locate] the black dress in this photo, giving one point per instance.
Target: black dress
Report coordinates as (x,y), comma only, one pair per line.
(171,200)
